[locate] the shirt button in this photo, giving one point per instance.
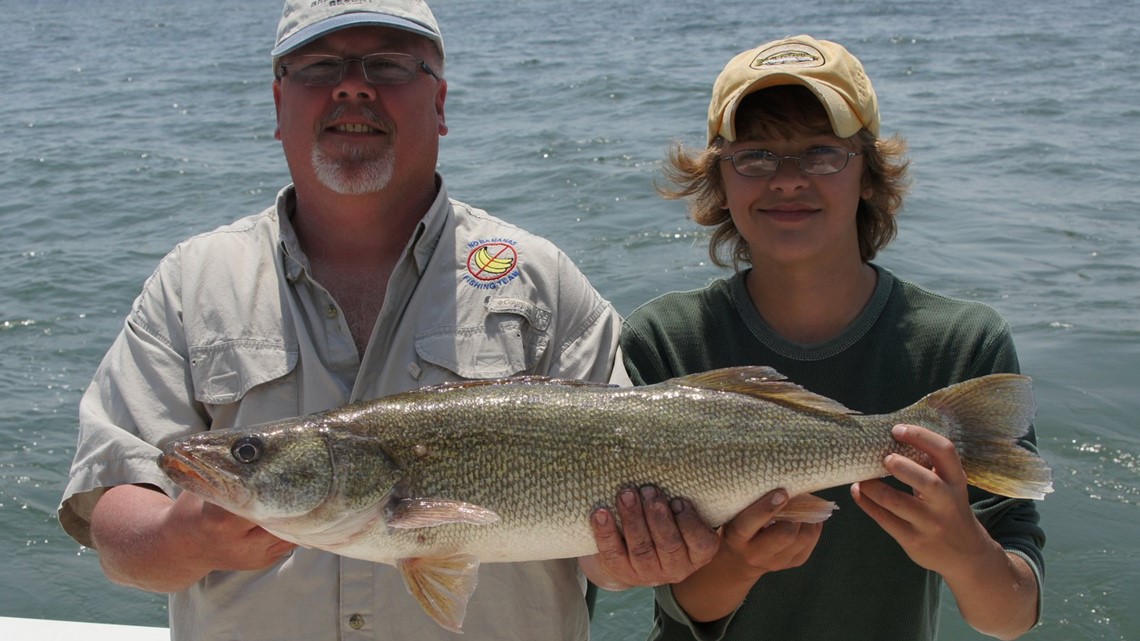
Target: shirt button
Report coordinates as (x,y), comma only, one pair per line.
(330,311)
(356,622)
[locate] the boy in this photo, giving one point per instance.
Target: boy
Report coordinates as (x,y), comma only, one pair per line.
(802,194)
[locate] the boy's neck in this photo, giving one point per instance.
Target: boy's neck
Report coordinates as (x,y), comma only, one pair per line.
(810,305)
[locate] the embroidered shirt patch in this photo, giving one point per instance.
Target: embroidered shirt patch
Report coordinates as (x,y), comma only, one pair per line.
(491,263)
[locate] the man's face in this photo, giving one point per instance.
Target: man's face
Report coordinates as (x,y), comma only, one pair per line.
(355,136)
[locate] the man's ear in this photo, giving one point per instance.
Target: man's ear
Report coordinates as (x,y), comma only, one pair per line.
(440,98)
(277,107)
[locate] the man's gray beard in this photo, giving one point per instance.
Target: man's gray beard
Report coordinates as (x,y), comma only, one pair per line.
(356,174)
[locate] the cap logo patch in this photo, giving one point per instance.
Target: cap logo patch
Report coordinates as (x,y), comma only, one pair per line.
(491,263)
(795,54)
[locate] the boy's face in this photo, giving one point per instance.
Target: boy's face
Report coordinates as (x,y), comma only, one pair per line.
(792,218)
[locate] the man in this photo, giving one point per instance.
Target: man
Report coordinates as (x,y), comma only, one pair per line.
(803,193)
(363,280)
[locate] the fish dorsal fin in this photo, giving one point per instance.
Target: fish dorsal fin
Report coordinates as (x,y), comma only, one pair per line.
(763,383)
(409,514)
(442,586)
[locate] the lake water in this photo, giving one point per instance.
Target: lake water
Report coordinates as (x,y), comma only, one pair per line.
(128,126)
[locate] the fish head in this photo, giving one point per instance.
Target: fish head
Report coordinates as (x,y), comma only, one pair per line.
(264,473)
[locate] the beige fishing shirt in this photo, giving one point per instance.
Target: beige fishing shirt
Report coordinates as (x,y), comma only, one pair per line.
(231,330)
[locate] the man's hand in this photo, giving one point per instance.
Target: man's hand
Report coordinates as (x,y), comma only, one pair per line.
(220,539)
(149,541)
(661,541)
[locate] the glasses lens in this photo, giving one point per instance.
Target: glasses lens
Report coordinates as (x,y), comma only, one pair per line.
(823,160)
(315,70)
(819,161)
(379,69)
(755,162)
(389,69)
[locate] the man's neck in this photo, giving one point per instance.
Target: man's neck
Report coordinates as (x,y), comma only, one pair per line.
(358,233)
(353,243)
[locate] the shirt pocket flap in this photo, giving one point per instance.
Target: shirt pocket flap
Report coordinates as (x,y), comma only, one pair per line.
(223,372)
(474,352)
(510,341)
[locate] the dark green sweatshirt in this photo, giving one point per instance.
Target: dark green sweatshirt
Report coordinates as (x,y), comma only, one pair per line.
(907,342)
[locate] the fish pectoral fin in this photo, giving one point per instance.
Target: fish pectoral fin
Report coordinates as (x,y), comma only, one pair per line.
(442,586)
(806,508)
(409,514)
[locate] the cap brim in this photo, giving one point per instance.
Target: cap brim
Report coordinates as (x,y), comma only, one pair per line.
(310,33)
(844,122)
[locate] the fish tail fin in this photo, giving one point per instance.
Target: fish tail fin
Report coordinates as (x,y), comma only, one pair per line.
(985,417)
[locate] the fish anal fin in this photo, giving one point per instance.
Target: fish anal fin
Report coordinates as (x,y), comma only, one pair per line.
(442,586)
(763,383)
(806,508)
(413,513)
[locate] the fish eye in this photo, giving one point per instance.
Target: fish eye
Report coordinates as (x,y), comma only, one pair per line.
(247,449)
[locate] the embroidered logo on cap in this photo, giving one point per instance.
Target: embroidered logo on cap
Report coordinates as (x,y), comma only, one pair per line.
(491,263)
(795,54)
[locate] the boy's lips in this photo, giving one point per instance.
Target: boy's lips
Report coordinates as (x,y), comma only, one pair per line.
(787,211)
(790,207)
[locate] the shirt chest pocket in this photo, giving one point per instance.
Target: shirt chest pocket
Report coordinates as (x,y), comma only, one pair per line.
(229,372)
(510,339)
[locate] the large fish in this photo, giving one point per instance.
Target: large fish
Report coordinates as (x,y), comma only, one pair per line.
(437,480)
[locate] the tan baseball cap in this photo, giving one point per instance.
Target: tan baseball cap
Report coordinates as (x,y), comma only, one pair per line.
(834,75)
(303,21)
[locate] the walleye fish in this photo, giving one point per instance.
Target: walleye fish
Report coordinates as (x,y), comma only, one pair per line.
(438,480)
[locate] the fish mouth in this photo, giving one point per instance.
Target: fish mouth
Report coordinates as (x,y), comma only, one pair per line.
(202,479)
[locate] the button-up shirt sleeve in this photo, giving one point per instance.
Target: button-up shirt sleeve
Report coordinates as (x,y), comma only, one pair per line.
(140,395)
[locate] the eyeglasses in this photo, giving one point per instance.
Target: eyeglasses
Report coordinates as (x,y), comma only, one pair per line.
(316,70)
(818,161)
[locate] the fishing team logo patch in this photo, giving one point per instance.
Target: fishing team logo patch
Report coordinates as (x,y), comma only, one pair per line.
(492,263)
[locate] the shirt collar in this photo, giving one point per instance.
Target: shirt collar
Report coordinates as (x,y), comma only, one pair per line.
(424,239)
(295,260)
(428,231)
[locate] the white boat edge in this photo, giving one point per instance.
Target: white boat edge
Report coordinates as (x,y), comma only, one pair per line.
(19,629)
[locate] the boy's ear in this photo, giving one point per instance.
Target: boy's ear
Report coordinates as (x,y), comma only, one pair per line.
(868,190)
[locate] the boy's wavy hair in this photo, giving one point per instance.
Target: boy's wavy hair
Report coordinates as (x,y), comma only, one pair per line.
(786,111)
